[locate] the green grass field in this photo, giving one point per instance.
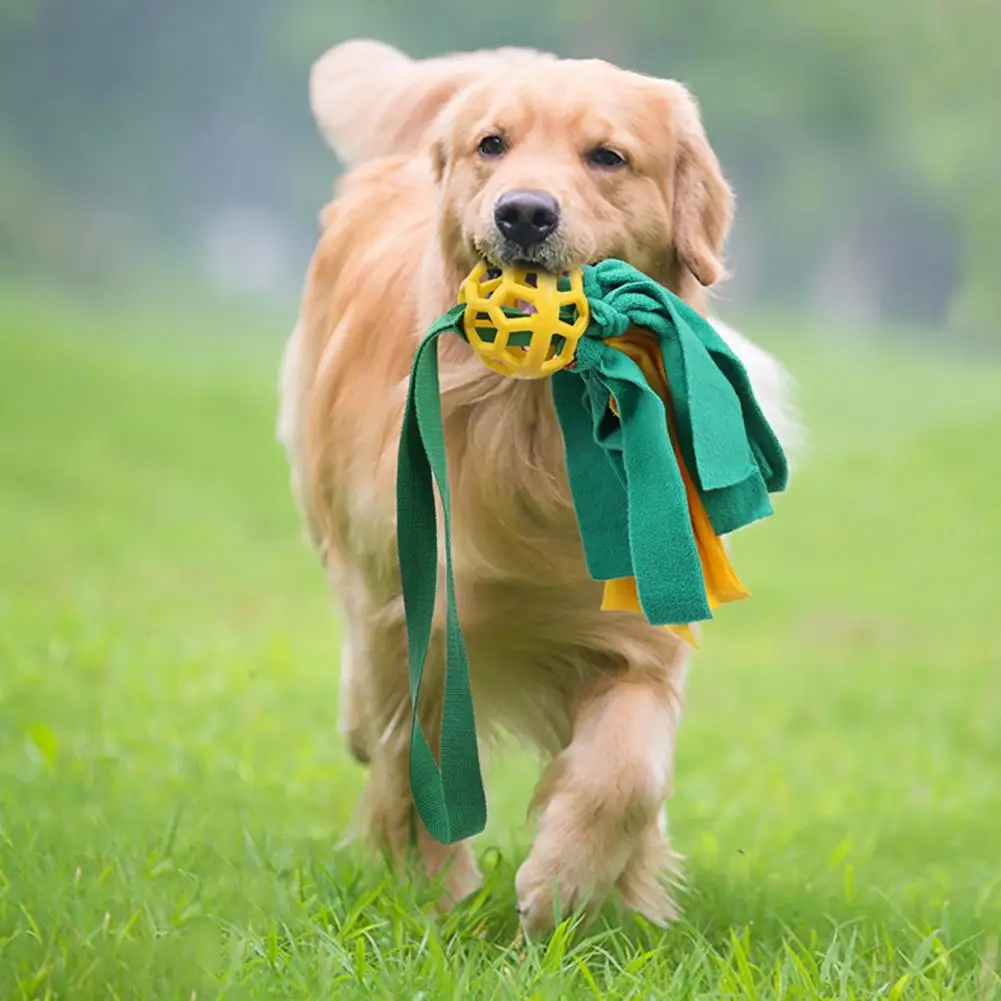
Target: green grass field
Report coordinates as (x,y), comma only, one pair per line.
(173,791)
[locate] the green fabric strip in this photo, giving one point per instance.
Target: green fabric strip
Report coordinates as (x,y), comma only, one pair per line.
(627,491)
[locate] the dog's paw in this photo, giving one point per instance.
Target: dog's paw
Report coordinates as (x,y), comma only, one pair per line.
(460,881)
(550,889)
(576,876)
(452,867)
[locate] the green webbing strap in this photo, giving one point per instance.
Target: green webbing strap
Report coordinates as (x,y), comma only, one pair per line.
(450,799)
(626,487)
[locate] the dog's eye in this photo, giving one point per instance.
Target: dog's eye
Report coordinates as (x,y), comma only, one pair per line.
(605,157)
(492,145)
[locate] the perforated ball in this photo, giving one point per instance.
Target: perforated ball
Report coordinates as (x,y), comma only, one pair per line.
(523,322)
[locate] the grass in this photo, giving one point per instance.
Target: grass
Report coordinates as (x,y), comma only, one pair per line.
(173,792)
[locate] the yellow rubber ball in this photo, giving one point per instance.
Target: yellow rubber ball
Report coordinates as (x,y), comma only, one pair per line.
(523,322)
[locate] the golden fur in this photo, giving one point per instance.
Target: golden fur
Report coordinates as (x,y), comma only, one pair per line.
(598,693)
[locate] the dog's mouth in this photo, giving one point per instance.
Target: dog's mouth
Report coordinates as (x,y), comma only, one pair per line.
(531,279)
(550,257)
(532,272)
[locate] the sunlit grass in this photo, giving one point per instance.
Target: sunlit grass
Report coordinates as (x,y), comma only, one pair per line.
(173,792)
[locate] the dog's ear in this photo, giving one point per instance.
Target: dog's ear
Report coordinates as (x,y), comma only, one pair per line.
(702,203)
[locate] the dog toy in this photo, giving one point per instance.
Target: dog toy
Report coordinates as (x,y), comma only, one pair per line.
(524,323)
(667,450)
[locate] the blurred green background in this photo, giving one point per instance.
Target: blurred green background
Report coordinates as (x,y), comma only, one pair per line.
(863,138)
(173,792)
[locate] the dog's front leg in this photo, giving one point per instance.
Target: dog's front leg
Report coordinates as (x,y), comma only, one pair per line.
(601,799)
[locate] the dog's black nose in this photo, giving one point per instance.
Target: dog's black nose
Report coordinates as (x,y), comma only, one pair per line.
(526,217)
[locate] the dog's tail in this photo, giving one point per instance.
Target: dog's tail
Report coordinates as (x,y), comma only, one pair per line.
(774,388)
(371,100)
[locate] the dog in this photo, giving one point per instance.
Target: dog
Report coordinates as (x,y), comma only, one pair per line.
(505,156)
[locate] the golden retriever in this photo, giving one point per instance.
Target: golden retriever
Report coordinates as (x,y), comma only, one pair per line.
(505,156)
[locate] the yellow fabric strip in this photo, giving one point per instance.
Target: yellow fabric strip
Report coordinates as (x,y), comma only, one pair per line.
(722,583)
(621,596)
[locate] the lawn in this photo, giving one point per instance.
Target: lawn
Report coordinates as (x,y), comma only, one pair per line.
(174,794)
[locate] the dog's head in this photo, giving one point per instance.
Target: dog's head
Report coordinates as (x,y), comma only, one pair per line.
(558,161)
(554,162)
(561,163)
